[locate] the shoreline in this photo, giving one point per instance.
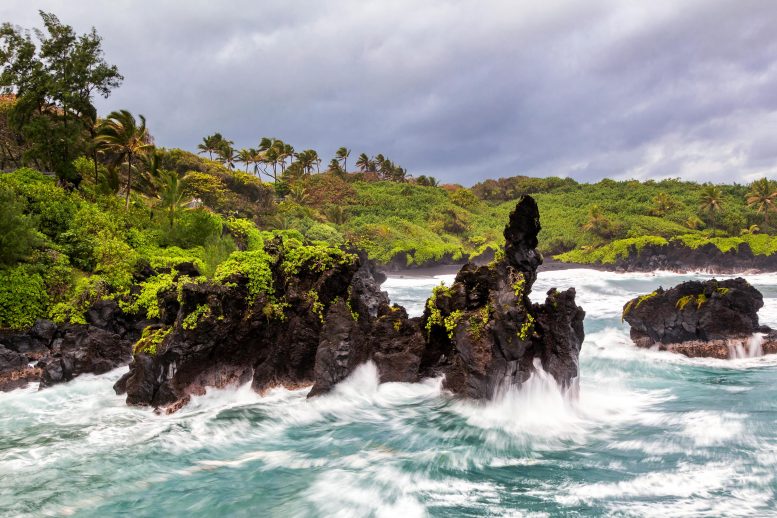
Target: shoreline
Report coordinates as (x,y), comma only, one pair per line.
(548,265)
(551,265)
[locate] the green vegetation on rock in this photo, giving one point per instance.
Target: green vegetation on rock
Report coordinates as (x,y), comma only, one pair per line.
(193,319)
(254,265)
(150,340)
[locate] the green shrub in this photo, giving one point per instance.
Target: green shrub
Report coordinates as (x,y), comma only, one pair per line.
(317,258)
(23,297)
(116,261)
(166,258)
(51,205)
(194,228)
(88,226)
(87,291)
(18,234)
(216,250)
(324,233)
(192,320)
(245,234)
(150,340)
(148,299)
(610,253)
(254,265)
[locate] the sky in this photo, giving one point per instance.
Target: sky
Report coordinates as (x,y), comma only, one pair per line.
(460,90)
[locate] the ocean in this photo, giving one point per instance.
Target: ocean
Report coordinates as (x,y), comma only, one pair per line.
(651,434)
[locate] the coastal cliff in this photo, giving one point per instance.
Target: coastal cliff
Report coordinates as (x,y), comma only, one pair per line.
(327,315)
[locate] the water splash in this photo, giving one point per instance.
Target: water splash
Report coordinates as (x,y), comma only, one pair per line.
(652,433)
(752,349)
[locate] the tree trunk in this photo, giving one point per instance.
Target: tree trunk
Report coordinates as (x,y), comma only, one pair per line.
(129,180)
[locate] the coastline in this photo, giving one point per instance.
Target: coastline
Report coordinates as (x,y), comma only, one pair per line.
(548,265)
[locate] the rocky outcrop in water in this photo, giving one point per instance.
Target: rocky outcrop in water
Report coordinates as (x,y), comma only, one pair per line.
(317,324)
(677,257)
(314,326)
(49,353)
(484,333)
(299,314)
(710,319)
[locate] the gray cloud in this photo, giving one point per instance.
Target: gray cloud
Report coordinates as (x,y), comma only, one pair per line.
(454,89)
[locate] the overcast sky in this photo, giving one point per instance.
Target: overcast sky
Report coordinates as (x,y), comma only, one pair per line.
(459,90)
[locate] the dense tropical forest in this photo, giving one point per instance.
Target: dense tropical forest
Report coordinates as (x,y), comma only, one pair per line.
(92,207)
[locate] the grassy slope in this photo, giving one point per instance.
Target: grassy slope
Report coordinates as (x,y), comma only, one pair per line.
(87,246)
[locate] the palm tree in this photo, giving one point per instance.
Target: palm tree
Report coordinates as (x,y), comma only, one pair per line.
(171,195)
(211,144)
(92,125)
(385,168)
(148,177)
(761,196)
(227,154)
(336,214)
(274,152)
(245,156)
(711,202)
(662,204)
(287,151)
(751,230)
(120,134)
(307,159)
(597,222)
(298,193)
(342,155)
(256,159)
(363,162)
(334,167)
(272,158)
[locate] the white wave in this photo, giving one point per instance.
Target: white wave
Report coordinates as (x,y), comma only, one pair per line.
(342,493)
(707,428)
(687,481)
(711,489)
(615,344)
(540,416)
(753,348)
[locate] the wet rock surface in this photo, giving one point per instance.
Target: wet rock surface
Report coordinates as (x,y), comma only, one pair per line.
(51,354)
(700,319)
(314,325)
(677,257)
(319,325)
(483,333)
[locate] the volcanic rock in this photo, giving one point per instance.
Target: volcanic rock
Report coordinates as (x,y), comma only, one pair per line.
(484,334)
(697,319)
(315,326)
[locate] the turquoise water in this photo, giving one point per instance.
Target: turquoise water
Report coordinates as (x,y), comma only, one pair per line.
(652,434)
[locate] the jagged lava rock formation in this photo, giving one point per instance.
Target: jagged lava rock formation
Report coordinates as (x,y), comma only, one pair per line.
(678,257)
(326,315)
(699,319)
(483,332)
(50,353)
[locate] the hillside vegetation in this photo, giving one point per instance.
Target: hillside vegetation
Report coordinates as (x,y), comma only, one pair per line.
(114,214)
